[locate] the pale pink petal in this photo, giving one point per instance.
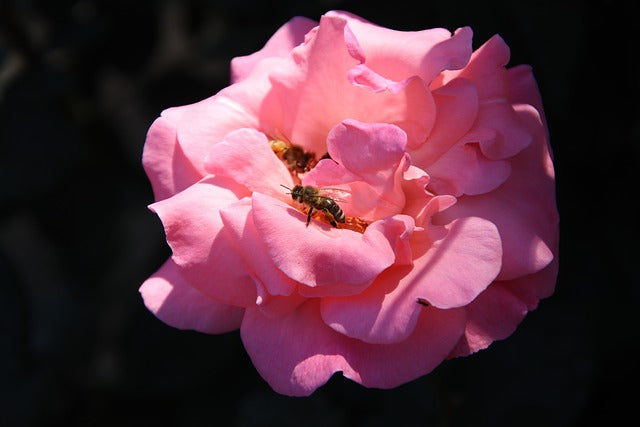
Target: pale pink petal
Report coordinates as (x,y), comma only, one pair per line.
(168,295)
(485,70)
(523,208)
(238,222)
(456,111)
(450,273)
(280,44)
(496,313)
(367,149)
(312,93)
(524,89)
(200,245)
(397,55)
(299,353)
(420,203)
(492,316)
(338,261)
(246,157)
(164,162)
(534,287)
(455,269)
(511,135)
(276,305)
(381,314)
(204,124)
(465,170)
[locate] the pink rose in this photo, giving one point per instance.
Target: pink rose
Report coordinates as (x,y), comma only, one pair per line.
(443,236)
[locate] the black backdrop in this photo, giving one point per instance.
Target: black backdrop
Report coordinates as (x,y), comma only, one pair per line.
(80,83)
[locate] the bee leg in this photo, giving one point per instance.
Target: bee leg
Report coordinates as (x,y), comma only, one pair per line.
(309,216)
(329,217)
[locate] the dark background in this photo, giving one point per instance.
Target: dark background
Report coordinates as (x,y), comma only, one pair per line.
(80,83)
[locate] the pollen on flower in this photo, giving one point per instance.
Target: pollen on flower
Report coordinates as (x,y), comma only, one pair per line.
(354,224)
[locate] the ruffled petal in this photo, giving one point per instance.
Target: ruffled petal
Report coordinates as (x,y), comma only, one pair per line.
(398,55)
(464,169)
(201,247)
(492,316)
(168,295)
(164,162)
(486,70)
(204,124)
(312,92)
(245,156)
(523,208)
(381,314)
(239,225)
(456,268)
(280,44)
(299,353)
(370,150)
(511,135)
(451,273)
(496,313)
(456,111)
(368,160)
(337,261)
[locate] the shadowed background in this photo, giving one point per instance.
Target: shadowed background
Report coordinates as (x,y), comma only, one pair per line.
(81,82)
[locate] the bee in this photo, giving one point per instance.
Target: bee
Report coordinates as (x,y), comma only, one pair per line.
(294,157)
(315,199)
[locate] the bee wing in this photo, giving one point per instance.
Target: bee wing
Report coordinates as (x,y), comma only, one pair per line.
(336,194)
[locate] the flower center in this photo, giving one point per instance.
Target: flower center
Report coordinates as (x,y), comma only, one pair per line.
(311,200)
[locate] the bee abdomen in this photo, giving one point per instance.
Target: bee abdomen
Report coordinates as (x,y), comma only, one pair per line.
(338,214)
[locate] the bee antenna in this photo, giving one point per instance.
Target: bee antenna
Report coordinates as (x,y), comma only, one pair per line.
(284,186)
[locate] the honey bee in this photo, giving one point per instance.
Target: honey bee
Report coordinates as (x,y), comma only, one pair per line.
(315,199)
(294,157)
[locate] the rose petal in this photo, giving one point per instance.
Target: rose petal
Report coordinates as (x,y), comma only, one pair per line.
(299,353)
(201,248)
(164,162)
(276,305)
(456,111)
(485,70)
(465,170)
(496,313)
(207,122)
(511,136)
(523,208)
(367,149)
(168,295)
(280,44)
(449,274)
(377,315)
(492,316)
(338,261)
(398,55)
(246,157)
(369,160)
(239,225)
(312,93)
(523,89)
(534,287)
(455,269)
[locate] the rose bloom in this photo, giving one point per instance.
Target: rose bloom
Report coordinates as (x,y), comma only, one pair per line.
(445,233)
